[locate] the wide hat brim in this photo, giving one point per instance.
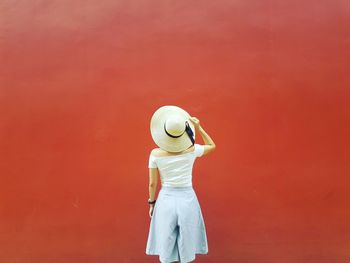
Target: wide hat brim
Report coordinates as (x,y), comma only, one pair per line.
(159,135)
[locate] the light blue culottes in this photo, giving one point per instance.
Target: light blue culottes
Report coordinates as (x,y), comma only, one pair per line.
(177,230)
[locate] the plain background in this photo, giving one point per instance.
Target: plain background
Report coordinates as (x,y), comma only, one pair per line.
(269,81)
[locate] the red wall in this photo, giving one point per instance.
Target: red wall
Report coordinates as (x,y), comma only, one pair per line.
(80,80)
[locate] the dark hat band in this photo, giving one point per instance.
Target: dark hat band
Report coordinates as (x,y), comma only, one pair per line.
(172,136)
(188,130)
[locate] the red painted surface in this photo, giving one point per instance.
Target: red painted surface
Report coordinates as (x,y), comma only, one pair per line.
(268,79)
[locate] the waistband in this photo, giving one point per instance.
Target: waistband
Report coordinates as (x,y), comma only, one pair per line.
(177,188)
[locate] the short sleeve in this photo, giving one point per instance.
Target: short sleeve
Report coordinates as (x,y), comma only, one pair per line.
(199,150)
(152,162)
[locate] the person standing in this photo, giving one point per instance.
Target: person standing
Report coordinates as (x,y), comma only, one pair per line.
(177,229)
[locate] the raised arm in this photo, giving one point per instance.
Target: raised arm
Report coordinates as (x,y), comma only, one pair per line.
(209,143)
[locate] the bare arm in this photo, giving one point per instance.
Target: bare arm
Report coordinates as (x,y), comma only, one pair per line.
(209,143)
(153,181)
(152,187)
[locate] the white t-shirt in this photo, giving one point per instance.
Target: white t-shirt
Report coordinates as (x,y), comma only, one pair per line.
(176,170)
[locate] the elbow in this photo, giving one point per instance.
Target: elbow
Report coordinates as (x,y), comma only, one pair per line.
(152,185)
(213,147)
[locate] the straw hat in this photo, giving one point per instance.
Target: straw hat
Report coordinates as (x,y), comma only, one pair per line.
(171,129)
